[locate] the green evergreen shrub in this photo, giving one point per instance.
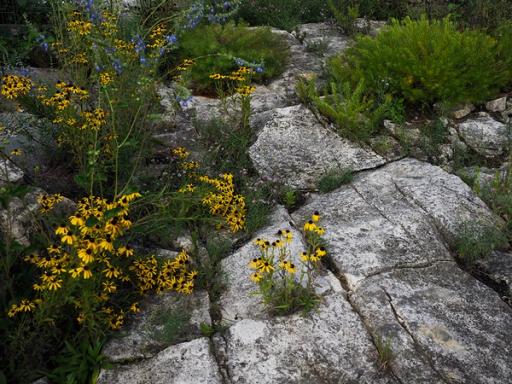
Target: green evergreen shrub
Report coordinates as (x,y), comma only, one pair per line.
(425,62)
(282,14)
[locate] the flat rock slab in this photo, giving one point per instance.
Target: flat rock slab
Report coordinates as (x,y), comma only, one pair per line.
(399,215)
(186,363)
(442,324)
(239,300)
(498,268)
(9,173)
(296,149)
(328,346)
(145,336)
(488,137)
(324,34)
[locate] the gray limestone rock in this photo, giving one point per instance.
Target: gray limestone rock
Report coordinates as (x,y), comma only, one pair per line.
(488,137)
(186,363)
(146,334)
(330,345)
(443,325)
(325,34)
(462,111)
(296,149)
(498,105)
(497,267)
(9,173)
(398,215)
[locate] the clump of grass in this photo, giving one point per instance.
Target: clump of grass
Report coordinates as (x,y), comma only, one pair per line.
(477,240)
(335,179)
(385,352)
(168,325)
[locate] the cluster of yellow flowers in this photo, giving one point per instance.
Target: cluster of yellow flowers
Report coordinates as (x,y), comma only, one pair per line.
(276,258)
(105,78)
(164,276)
(14,86)
(240,75)
(157,37)
(63,97)
(93,119)
(223,201)
(47,202)
(108,24)
(79,26)
(245,90)
(185,65)
(272,253)
(90,250)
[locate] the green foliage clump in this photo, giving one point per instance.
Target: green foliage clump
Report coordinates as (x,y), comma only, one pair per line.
(356,113)
(219,48)
(477,240)
(282,14)
(334,179)
(425,62)
(345,12)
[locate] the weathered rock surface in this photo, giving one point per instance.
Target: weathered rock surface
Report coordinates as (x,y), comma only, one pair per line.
(398,215)
(328,346)
(462,111)
(324,34)
(485,135)
(497,267)
(443,325)
(296,149)
(145,336)
(498,105)
(9,173)
(186,363)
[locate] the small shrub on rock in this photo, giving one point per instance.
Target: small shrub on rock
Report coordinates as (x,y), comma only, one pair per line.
(275,273)
(224,48)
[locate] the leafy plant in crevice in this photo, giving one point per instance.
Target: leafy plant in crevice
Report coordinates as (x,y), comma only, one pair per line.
(476,240)
(384,352)
(79,363)
(334,179)
(283,286)
(356,114)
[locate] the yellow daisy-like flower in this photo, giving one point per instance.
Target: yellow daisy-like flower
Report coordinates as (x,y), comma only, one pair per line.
(309,226)
(304,256)
(255,263)
(26,306)
(266,267)
(321,251)
(16,152)
(286,234)
(256,277)
(126,251)
(319,231)
(316,216)
(61,230)
(134,308)
(288,266)
(86,255)
(109,286)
